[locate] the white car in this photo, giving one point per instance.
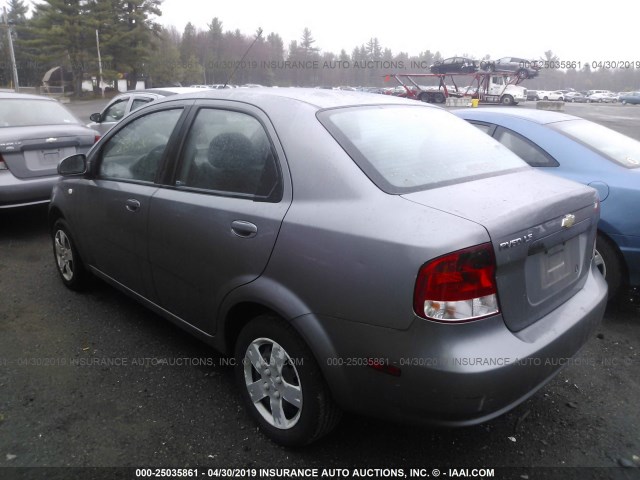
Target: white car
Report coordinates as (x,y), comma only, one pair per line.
(556,95)
(543,95)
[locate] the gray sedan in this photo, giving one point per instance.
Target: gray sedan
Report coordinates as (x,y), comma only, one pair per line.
(350,251)
(35,134)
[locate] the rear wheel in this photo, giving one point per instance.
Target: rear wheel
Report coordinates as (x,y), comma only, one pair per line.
(610,265)
(70,266)
(424,97)
(281,384)
(439,98)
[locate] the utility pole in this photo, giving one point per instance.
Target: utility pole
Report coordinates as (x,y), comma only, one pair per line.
(99,64)
(13,56)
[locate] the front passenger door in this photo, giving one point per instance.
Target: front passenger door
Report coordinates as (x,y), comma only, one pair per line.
(118,197)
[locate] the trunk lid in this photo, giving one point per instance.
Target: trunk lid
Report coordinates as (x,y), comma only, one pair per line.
(542,228)
(35,151)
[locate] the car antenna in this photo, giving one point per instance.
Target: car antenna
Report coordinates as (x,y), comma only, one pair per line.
(245,54)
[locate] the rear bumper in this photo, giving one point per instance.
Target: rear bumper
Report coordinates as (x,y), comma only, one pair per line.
(16,192)
(453,375)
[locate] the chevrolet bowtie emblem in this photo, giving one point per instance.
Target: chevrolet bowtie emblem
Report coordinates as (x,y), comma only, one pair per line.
(568,221)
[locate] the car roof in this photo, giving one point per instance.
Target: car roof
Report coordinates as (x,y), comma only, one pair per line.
(318,98)
(23,96)
(537,116)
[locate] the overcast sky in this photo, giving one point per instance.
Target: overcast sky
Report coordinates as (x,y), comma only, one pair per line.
(575,31)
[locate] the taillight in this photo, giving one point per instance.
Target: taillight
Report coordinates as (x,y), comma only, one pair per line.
(3,166)
(458,287)
(96,138)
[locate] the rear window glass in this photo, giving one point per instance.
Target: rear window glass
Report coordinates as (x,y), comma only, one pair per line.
(410,148)
(26,113)
(615,146)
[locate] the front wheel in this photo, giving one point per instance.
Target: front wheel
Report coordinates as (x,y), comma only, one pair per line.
(608,262)
(507,100)
(281,384)
(70,266)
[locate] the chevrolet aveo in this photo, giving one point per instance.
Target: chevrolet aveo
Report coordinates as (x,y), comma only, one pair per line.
(354,252)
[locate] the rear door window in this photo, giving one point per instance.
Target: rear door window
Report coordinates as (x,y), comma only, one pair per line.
(228,152)
(528,151)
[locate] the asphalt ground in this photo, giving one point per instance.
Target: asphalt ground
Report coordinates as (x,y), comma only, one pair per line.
(94,385)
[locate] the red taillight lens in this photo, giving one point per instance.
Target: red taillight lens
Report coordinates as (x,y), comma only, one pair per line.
(96,138)
(458,287)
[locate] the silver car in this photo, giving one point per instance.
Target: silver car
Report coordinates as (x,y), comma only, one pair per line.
(351,251)
(35,134)
(125,103)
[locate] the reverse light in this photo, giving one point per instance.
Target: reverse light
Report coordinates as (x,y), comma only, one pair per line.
(458,287)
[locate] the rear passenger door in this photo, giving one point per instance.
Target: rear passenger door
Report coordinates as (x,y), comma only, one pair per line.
(214,226)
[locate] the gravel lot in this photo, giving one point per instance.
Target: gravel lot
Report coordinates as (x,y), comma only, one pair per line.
(95,380)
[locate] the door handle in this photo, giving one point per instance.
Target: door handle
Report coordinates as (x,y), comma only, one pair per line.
(244,229)
(132,205)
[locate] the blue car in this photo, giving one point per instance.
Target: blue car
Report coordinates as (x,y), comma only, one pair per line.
(589,153)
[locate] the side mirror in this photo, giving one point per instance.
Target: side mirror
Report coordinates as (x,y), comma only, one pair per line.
(73,165)
(96,117)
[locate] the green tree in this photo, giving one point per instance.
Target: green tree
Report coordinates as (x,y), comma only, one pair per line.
(17,17)
(127,32)
(62,35)
(165,66)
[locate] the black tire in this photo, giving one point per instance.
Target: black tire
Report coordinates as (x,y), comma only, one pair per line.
(439,98)
(298,375)
(609,262)
(424,97)
(68,262)
(507,100)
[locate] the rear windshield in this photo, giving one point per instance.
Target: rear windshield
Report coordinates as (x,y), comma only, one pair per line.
(615,146)
(21,112)
(410,148)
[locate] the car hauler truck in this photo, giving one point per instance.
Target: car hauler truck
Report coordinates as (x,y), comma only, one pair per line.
(485,86)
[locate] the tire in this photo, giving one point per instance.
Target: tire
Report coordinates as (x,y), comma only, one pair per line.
(545,98)
(424,97)
(68,262)
(439,98)
(291,381)
(507,100)
(610,265)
